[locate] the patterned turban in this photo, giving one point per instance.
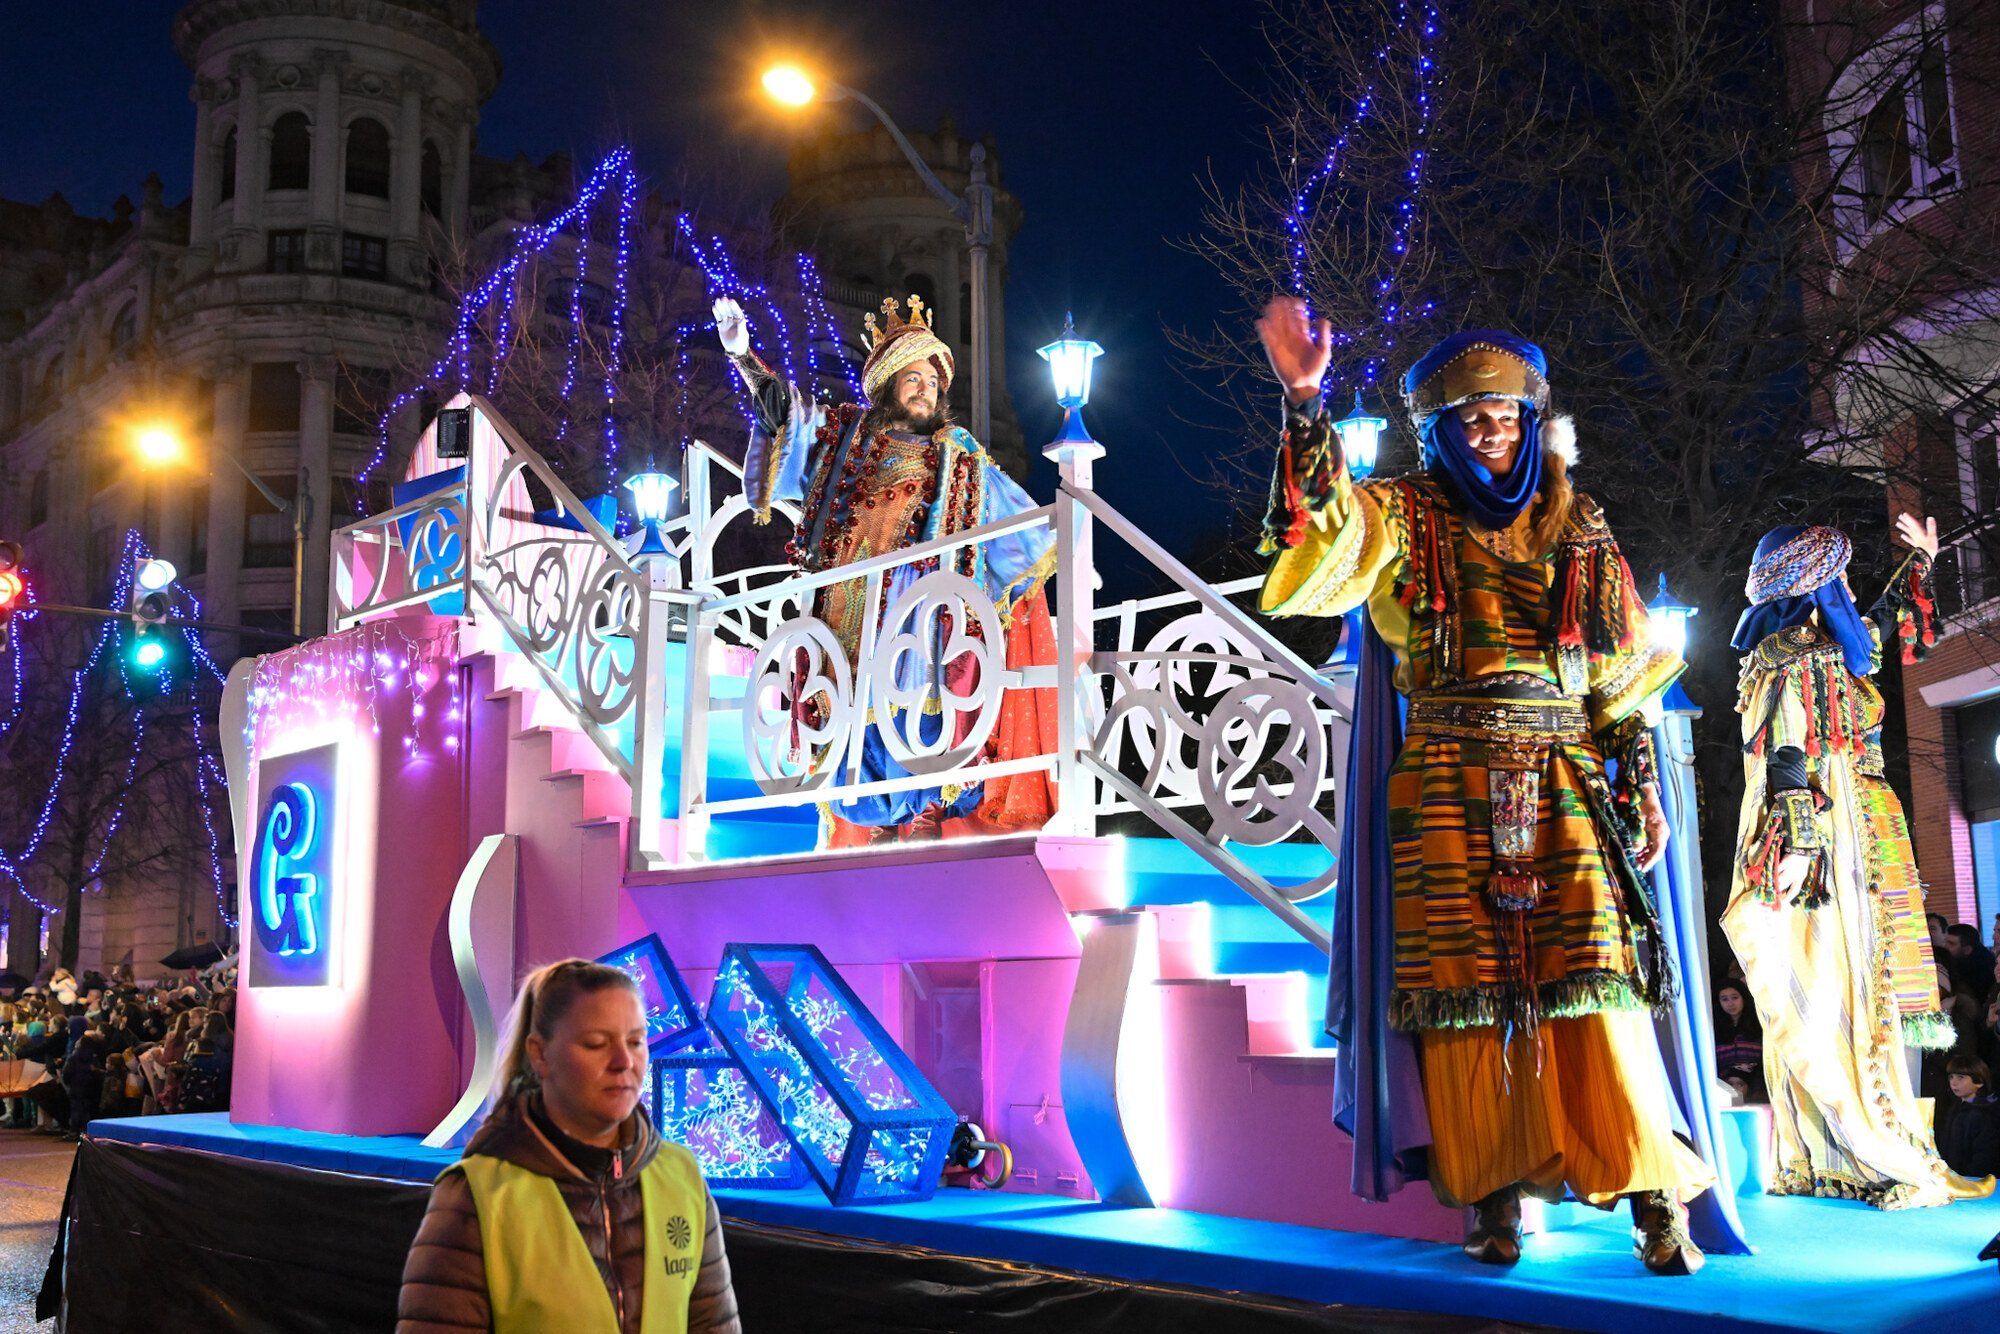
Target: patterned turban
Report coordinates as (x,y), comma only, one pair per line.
(1792,562)
(903,344)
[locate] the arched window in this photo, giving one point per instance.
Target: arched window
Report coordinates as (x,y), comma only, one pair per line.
(125,326)
(291,153)
(432,187)
(368,158)
(228,191)
(49,388)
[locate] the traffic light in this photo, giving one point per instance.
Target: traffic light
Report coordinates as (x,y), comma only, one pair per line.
(13,586)
(152,599)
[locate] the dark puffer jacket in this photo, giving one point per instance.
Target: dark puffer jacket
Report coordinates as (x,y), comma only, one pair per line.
(444,1280)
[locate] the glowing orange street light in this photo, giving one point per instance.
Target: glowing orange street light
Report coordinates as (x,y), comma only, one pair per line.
(790,85)
(158,444)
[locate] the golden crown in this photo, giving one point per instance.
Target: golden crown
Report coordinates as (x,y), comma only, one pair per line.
(893,322)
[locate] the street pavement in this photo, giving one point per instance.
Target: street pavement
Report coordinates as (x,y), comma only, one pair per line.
(33,1170)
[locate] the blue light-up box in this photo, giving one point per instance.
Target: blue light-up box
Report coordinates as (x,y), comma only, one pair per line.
(696,1093)
(702,1099)
(867,1124)
(672,1021)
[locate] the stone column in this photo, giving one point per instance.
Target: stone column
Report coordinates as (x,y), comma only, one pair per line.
(327,179)
(458,186)
(220,602)
(242,248)
(406,260)
(315,490)
(207,166)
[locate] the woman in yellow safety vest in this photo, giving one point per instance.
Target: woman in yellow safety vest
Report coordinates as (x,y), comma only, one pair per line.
(568,1211)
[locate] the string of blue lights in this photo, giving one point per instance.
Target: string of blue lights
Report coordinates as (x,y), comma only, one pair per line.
(489,318)
(145,698)
(1393,304)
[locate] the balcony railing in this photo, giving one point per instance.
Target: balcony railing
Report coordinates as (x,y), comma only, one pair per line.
(720,694)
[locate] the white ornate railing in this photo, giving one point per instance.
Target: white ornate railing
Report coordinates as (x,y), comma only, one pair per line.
(936,651)
(1210,726)
(1183,709)
(568,599)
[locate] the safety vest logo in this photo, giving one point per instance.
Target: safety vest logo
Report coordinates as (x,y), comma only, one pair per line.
(680,1234)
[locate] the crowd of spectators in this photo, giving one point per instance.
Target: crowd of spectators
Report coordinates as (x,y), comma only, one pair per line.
(77,1050)
(1959,1081)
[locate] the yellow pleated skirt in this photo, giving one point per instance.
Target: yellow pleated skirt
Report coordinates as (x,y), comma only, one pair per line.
(1584,1105)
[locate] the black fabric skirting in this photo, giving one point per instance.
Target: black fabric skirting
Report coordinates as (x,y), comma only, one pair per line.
(171,1239)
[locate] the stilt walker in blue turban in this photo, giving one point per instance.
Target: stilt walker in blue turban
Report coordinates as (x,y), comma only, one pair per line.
(1826,913)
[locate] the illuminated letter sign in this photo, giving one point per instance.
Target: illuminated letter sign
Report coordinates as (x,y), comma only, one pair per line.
(285,896)
(292,893)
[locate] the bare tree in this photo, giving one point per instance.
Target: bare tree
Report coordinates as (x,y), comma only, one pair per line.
(604,387)
(1709,231)
(103,762)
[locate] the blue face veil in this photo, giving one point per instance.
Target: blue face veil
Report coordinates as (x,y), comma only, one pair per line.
(1467,368)
(1794,603)
(1494,502)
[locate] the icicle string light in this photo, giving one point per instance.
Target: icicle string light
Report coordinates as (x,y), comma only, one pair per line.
(340,681)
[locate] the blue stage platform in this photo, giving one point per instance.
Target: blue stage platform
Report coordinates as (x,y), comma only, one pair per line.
(1823,1264)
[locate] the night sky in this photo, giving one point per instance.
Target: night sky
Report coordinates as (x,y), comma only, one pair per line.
(1104,117)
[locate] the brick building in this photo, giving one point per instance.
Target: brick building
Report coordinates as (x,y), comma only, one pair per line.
(1902,156)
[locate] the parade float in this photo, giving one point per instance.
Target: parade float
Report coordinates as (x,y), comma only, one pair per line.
(1077,1072)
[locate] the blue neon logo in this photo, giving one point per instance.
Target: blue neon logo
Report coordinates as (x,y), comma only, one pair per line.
(286,894)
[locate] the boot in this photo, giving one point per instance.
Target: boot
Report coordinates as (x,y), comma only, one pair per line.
(1659,1234)
(1495,1238)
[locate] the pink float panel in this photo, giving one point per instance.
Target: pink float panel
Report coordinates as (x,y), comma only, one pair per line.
(374,1052)
(1253,1136)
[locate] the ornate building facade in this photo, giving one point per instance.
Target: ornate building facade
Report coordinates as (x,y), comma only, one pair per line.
(273,313)
(878,231)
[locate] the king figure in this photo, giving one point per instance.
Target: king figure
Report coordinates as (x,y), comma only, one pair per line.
(892,474)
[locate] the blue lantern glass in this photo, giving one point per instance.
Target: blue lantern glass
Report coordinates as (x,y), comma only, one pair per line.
(652,496)
(1669,616)
(1360,439)
(1070,358)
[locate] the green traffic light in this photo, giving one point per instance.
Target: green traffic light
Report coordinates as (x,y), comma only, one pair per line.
(148,654)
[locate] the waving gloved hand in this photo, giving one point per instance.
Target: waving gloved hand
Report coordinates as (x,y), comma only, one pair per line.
(731,327)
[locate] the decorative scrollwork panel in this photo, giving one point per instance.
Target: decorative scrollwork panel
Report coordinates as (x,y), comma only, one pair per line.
(799,712)
(939,656)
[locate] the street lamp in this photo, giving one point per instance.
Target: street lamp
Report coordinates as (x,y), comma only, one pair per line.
(161,444)
(1070,359)
(1667,617)
(158,444)
(791,86)
(1360,439)
(652,494)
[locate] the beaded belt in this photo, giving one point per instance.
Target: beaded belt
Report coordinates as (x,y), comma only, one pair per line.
(1483,718)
